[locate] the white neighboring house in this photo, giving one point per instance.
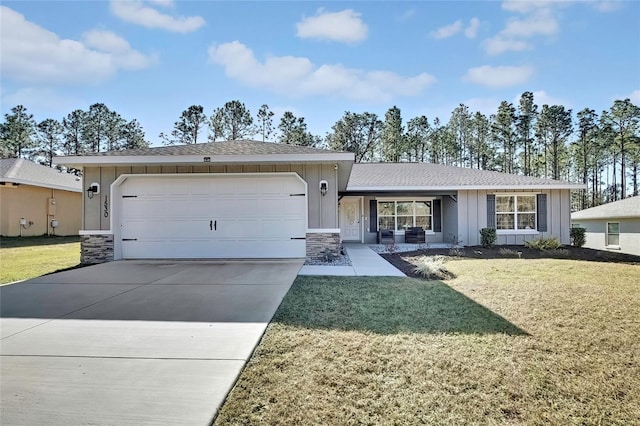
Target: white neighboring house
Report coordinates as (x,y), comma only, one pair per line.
(612,226)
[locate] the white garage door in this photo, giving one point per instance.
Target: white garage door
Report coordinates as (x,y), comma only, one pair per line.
(205,216)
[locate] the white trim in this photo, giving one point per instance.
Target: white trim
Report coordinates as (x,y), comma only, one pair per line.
(90,232)
(41,185)
(517,232)
(323,230)
(199,159)
(522,187)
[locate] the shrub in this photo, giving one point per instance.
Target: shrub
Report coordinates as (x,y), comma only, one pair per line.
(543,243)
(578,236)
(432,268)
(488,237)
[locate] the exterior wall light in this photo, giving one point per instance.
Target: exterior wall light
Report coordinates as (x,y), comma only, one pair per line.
(324,187)
(93,189)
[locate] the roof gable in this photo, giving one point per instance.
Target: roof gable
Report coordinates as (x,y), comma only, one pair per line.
(629,207)
(20,171)
(370,177)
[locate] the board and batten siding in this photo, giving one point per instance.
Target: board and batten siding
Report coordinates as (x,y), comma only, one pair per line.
(323,210)
(472,216)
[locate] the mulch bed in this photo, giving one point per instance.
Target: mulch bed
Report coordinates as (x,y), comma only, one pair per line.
(406,261)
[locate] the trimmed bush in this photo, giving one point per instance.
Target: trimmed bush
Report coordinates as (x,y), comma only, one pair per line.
(432,268)
(578,236)
(488,237)
(543,243)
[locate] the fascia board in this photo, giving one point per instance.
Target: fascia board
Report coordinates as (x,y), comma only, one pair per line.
(42,185)
(465,187)
(199,159)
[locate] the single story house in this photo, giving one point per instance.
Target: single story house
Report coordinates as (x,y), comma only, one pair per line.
(612,226)
(38,200)
(249,199)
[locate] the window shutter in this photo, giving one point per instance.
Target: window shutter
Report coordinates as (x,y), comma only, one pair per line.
(542,212)
(491,211)
(437,215)
(373,216)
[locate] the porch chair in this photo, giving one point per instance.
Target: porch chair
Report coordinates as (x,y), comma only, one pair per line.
(414,235)
(386,236)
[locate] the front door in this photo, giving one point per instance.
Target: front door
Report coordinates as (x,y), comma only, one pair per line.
(350,219)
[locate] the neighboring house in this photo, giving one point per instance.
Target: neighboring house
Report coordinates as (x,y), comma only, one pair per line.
(612,226)
(248,199)
(38,200)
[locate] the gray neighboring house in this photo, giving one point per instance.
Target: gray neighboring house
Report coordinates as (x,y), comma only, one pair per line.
(249,199)
(612,226)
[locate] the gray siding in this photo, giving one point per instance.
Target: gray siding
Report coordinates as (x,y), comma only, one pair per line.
(596,234)
(449,217)
(323,211)
(472,216)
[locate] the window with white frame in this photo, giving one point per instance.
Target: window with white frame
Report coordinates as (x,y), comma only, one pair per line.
(515,212)
(613,233)
(400,215)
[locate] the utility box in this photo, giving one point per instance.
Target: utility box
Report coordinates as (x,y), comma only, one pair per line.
(52,207)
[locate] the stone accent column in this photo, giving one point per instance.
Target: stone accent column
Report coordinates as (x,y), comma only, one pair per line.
(96,248)
(322,244)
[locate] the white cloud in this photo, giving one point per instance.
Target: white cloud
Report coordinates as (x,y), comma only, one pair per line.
(500,76)
(472,30)
(121,52)
(136,12)
(40,99)
(539,20)
(526,6)
(607,6)
(540,97)
(407,15)
(540,23)
(298,76)
(447,30)
(634,97)
(497,45)
(345,26)
(35,54)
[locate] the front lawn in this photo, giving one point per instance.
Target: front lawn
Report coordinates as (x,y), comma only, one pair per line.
(22,258)
(536,341)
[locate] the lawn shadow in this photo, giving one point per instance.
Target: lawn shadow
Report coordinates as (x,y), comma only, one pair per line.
(387,305)
(43,240)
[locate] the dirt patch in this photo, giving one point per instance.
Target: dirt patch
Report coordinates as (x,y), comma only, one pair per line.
(407,261)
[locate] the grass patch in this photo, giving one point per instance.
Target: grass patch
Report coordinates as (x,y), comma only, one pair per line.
(520,342)
(30,257)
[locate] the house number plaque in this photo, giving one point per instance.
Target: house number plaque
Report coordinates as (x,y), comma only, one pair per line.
(106,206)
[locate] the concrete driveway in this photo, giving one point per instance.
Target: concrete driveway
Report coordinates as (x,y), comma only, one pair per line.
(133,342)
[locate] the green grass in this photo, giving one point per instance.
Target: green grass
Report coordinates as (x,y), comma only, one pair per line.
(30,257)
(508,341)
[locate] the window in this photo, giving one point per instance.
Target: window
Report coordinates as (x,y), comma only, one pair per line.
(400,215)
(515,212)
(613,233)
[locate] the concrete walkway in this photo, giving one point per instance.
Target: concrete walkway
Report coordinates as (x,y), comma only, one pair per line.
(133,342)
(364,262)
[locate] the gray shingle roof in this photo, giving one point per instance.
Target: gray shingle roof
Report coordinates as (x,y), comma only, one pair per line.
(18,170)
(629,207)
(240,147)
(428,176)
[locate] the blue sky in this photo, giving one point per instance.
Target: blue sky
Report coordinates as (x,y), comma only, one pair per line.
(150,60)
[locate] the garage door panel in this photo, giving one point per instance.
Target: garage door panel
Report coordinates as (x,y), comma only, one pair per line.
(251,217)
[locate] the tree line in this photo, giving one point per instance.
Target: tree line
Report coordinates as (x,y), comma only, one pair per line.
(94,130)
(599,150)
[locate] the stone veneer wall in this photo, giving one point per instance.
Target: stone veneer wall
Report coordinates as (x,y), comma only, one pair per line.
(322,243)
(96,249)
